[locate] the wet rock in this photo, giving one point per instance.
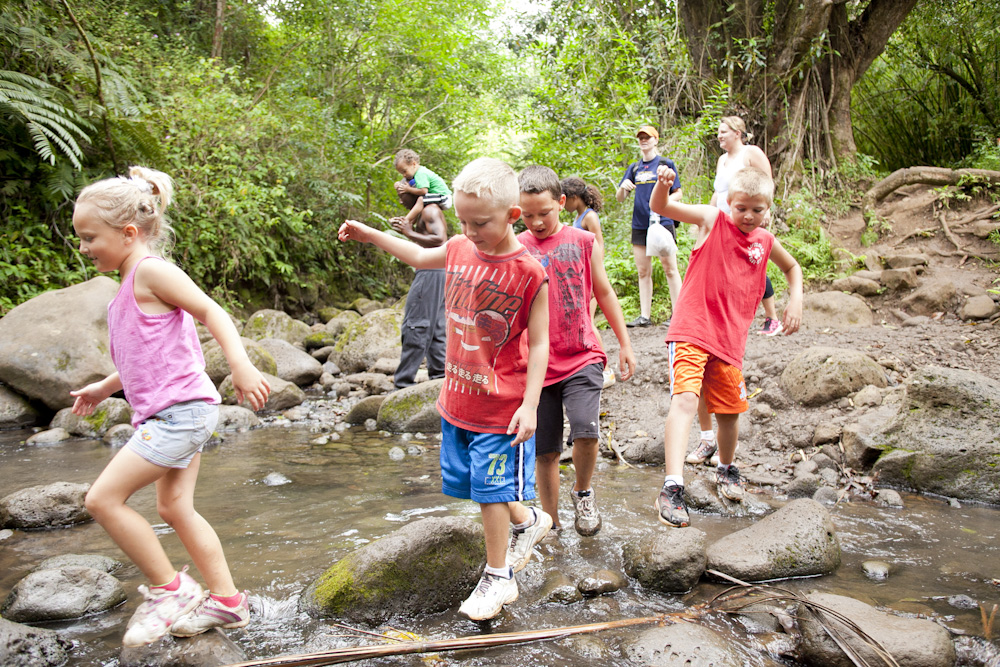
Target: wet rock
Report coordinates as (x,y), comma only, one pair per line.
(397,454)
(15,410)
(294,365)
(296,414)
(762,618)
(642,450)
(416,450)
(275,324)
(217,367)
(57,342)
(118,435)
(25,646)
(913,642)
(978,308)
(704,497)
(963,602)
(6,534)
(821,310)
(283,395)
(236,418)
(601,582)
(275,479)
(365,409)
(45,506)
(941,435)
(210,649)
(667,562)
(823,374)
(888,498)
(798,540)
(590,648)
(826,495)
(876,570)
(976,652)
(49,437)
(860,449)
(559,589)
(933,296)
(368,339)
(412,409)
(107,413)
(371,425)
(94,561)
(63,593)
(425,567)
(687,644)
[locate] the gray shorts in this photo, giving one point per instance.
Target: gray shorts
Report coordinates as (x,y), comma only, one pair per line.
(580,394)
(172,436)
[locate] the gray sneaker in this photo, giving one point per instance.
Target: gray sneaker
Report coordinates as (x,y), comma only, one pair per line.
(640,321)
(671,507)
(730,482)
(588,519)
(523,541)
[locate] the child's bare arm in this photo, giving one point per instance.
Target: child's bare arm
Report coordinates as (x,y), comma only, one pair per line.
(792,317)
(411,253)
(661,202)
(608,301)
(88,397)
(525,418)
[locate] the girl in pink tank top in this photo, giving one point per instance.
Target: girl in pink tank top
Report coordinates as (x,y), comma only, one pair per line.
(161,369)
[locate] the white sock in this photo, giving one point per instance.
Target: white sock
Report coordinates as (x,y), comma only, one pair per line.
(673,479)
(723,467)
(708,435)
(504,572)
(529,523)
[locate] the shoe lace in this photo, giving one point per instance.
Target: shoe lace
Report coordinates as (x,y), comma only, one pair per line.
(732,476)
(674,495)
(585,504)
(485,583)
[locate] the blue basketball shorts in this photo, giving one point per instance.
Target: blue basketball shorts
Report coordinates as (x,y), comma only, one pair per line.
(484,467)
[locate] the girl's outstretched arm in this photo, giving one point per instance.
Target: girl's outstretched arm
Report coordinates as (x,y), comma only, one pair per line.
(171,285)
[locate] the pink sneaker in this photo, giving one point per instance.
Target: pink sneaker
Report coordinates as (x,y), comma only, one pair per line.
(770,328)
(212,614)
(160,609)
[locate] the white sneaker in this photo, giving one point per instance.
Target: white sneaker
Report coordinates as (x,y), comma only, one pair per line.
(703,452)
(160,609)
(715,457)
(491,594)
(523,541)
(212,614)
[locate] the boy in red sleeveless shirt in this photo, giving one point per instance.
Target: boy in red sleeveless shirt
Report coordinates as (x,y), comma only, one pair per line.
(496,307)
(574,379)
(707,336)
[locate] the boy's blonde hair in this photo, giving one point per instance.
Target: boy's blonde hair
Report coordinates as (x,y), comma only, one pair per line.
(140,199)
(489,179)
(752,182)
(406,156)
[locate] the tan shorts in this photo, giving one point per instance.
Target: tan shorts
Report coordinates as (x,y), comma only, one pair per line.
(692,369)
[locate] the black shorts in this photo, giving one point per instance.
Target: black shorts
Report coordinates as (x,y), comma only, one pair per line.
(639,235)
(580,394)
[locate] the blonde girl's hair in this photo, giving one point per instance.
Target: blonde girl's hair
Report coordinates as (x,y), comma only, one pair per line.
(140,199)
(752,182)
(489,179)
(737,125)
(588,194)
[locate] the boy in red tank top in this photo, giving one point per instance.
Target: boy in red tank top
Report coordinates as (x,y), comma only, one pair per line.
(707,336)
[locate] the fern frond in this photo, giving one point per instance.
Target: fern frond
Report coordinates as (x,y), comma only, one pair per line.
(52,126)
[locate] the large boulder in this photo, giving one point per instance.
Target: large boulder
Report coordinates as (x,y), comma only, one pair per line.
(45,506)
(294,365)
(412,409)
(835,309)
(913,642)
(275,324)
(690,645)
(109,412)
(58,342)
(365,409)
(933,296)
(25,646)
(15,410)
(427,566)
(60,594)
(283,394)
(669,561)
(796,541)
(236,418)
(368,339)
(944,437)
(217,366)
(823,374)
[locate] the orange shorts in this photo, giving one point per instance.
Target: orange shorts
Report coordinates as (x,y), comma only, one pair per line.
(695,370)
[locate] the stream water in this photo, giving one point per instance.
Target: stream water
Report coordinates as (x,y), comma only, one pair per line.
(349,492)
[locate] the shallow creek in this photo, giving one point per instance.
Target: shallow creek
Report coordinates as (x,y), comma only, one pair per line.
(349,492)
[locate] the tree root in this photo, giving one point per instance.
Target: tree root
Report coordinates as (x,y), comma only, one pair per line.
(923,175)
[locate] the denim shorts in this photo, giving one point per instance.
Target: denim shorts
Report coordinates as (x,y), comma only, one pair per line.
(484,467)
(172,436)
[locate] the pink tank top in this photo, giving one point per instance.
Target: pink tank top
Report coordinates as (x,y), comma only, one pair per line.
(158,357)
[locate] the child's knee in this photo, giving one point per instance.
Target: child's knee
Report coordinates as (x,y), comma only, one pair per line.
(547,460)
(173,512)
(684,403)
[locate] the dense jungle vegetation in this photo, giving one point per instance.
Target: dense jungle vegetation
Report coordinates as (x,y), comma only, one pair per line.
(278,119)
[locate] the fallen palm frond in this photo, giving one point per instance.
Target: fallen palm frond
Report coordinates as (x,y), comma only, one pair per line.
(988,621)
(767,593)
(352,653)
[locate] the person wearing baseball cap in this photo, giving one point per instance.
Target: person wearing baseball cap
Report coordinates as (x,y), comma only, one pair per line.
(640,177)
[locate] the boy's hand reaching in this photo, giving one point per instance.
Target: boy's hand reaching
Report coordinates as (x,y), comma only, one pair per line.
(626,364)
(523,422)
(791,319)
(665,176)
(352,230)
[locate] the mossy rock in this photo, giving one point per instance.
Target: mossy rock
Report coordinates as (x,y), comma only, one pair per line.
(364,306)
(368,339)
(275,324)
(217,366)
(327,313)
(319,339)
(425,567)
(412,410)
(107,413)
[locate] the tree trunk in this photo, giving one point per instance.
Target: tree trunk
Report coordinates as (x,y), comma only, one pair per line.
(220,13)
